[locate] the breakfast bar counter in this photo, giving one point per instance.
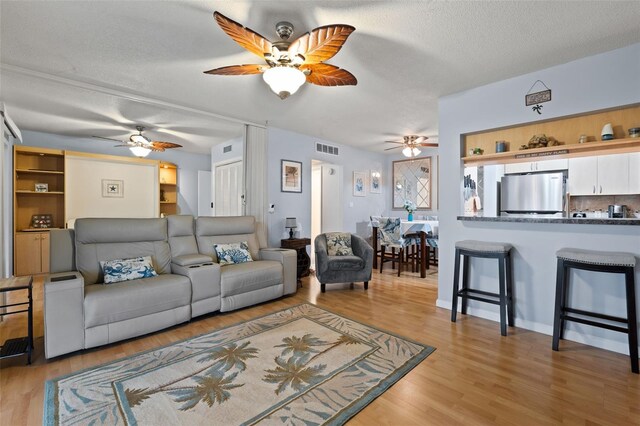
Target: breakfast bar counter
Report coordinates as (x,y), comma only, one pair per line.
(569,220)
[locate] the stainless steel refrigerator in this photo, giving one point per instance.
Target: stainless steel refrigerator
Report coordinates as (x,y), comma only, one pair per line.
(533,194)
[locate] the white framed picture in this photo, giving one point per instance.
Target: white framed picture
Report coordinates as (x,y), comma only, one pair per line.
(359,182)
(42,187)
(112,188)
(375,182)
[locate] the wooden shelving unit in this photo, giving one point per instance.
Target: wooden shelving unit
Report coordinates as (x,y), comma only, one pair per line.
(36,166)
(168,177)
(614,146)
(566,130)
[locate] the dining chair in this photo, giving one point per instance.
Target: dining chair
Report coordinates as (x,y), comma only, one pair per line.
(391,237)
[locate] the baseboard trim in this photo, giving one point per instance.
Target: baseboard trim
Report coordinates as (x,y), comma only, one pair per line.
(574,336)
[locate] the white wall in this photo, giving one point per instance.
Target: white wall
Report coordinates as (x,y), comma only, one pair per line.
(83,188)
(603,81)
(287,145)
(188,164)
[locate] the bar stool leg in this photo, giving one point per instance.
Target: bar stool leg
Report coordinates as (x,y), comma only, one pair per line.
(566,270)
(456,277)
(510,316)
(382,250)
(393,258)
(560,276)
(400,259)
(632,321)
(465,282)
(503,296)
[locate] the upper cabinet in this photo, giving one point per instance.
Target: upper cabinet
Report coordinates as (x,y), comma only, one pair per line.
(537,166)
(634,173)
(602,175)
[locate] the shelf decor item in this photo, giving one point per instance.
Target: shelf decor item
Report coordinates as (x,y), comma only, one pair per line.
(41,220)
(410,207)
(42,187)
(607,132)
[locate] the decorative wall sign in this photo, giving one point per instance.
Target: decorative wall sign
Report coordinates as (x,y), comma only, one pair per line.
(536,98)
(375,182)
(112,188)
(543,154)
(291,176)
(359,181)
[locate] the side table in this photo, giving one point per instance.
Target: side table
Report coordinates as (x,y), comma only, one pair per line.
(21,345)
(300,246)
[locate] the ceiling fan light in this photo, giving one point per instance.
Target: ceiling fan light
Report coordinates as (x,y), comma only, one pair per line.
(138,139)
(284,81)
(140,151)
(411,152)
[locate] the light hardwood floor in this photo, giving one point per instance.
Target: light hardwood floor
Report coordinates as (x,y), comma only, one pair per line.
(475,376)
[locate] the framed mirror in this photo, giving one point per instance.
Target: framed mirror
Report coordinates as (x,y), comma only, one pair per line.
(412,181)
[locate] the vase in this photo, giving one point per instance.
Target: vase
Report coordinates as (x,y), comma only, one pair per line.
(410,217)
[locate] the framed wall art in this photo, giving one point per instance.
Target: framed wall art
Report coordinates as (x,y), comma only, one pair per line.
(112,188)
(291,176)
(359,181)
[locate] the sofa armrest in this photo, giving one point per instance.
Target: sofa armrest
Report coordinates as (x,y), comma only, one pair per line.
(289,260)
(204,277)
(191,259)
(363,250)
(63,313)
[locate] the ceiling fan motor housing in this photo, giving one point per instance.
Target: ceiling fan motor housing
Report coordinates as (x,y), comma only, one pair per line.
(284,29)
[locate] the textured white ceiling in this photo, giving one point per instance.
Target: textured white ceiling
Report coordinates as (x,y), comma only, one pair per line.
(146,58)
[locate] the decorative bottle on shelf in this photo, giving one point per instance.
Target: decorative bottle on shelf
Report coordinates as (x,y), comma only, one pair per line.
(410,217)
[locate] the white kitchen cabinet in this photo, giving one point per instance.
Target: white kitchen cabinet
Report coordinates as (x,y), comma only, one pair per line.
(537,166)
(601,175)
(613,174)
(634,173)
(583,176)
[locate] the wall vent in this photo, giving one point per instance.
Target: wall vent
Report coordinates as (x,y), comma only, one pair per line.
(326,149)
(226,149)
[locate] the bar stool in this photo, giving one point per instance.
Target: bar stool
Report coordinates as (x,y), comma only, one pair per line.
(504,298)
(599,261)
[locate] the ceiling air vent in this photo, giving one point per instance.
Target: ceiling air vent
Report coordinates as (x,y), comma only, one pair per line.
(326,149)
(226,149)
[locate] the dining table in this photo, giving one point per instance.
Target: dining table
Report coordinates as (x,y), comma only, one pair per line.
(423,228)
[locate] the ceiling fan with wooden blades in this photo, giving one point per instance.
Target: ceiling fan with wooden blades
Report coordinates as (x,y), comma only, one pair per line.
(140,145)
(410,145)
(290,64)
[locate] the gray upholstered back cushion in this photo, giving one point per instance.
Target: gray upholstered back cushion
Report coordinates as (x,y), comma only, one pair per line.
(226,229)
(181,237)
(108,239)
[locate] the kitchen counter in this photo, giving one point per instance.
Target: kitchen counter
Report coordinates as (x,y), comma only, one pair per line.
(571,220)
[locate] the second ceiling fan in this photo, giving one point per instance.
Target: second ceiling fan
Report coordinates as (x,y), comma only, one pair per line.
(290,64)
(410,145)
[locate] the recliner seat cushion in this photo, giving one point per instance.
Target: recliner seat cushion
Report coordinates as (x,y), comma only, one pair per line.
(105,304)
(249,276)
(345,263)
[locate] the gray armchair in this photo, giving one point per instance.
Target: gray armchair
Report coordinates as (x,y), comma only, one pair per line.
(343,269)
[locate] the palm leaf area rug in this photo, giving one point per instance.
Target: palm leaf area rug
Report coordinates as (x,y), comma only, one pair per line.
(301,365)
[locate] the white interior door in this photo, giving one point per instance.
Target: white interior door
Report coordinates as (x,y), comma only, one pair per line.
(228,189)
(331,198)
(205,194)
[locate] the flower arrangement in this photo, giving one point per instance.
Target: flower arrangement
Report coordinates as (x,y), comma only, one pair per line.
(409,206)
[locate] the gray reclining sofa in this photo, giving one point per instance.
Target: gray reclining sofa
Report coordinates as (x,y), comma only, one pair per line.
(81,312)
